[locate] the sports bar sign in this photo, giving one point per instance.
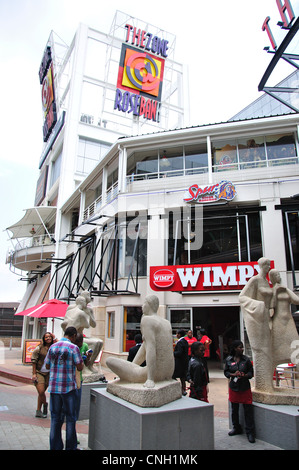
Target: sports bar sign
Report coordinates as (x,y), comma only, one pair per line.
(203,277)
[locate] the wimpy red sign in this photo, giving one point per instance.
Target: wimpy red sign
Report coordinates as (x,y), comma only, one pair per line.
(203,277)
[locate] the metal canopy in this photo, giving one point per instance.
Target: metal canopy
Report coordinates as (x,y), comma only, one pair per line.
(289,58)
(35,216)
(79,271)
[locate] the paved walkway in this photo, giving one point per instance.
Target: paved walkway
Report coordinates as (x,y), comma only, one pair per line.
(20,430)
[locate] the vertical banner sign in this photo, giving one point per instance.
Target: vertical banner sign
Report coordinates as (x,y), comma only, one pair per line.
(140,74)
(46,78)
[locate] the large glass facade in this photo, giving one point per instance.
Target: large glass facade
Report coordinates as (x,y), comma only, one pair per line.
(254,152)
(227,154)
(225,238)
(167,162)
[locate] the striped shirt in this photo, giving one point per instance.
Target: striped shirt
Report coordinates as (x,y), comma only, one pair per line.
(63,357)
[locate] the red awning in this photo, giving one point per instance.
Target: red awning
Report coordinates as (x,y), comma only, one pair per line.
(49,309)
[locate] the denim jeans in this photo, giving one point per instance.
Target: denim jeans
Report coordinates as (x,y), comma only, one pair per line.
(63,405)
(78,401)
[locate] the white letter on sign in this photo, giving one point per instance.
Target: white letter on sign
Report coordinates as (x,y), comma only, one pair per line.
(189,276)
(230,275)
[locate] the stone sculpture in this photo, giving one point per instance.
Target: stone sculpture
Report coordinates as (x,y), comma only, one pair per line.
(284,330)
(271,331)
(81,316)
(152,385)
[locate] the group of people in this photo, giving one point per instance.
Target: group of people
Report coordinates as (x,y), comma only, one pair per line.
(191,365)
(57,366)
(190,358)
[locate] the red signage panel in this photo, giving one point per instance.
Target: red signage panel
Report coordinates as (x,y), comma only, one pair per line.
(203,277)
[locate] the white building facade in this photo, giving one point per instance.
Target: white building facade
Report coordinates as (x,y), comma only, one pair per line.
(126,207)
(192,212)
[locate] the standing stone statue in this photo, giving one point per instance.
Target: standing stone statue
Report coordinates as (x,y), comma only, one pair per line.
(271,331)
(255,300)
(284,330)
(155,385)
(81,316)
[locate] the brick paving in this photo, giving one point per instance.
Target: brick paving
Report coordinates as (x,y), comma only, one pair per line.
(20,430)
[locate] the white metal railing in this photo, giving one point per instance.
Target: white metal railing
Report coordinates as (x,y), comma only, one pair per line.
(113,190)
(36,240)
(92,208)
(256,164)
(97,204)
(166,174)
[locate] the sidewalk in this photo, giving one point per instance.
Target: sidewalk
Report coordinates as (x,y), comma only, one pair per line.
(20,430)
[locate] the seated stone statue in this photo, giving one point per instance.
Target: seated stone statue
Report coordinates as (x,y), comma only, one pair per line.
(156,350)
(81,316)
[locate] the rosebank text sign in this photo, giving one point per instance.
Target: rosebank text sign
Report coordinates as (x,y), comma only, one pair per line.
(140,74)
(203,277)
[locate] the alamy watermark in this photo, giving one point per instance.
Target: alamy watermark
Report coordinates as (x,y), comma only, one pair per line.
(186,223)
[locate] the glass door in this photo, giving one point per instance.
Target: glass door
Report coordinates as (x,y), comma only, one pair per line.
(180,318)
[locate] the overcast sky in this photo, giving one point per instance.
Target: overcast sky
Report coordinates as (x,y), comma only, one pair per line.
(221,42)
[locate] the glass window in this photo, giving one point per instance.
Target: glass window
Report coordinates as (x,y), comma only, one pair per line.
(132,318)
(224,155)
(55,170)
(225,239)
(251,152)
(171,161)
(281,149)
(291,230)
(143,163)
(132,252)
(89,154)
(196,159)
(110,324)
(180,319)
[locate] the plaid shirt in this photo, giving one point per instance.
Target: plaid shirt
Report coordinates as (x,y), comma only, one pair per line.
(63,357)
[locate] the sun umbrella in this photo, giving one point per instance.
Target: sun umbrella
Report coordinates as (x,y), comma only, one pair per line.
(49,309)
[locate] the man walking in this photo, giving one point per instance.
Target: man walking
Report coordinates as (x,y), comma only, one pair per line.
(62,360)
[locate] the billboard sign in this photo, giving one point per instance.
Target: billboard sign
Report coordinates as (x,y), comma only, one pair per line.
(46,78)
(140,74)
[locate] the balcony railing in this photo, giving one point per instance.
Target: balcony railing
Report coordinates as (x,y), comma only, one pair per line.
(36,240)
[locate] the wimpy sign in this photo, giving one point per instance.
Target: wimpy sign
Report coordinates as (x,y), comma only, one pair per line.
(212,277)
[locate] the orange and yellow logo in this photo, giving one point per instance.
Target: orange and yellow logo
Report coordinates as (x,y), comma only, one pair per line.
(141,72)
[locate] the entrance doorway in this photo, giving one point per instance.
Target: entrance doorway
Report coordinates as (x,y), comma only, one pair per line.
(222,326)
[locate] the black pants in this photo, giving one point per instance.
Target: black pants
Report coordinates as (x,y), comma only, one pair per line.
(248,415)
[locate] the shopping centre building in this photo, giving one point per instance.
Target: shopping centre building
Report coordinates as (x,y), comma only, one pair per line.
(130,202)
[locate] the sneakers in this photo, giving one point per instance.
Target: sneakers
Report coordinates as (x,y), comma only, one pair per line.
(39,414)
(44,413)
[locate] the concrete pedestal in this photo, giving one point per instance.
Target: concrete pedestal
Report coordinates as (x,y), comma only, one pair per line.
(85,397)
(276,424)
(115,424)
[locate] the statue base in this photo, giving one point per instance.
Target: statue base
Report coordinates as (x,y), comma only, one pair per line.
(276,424)
(115,424)
(280,396)
(92,375)
(162,393)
